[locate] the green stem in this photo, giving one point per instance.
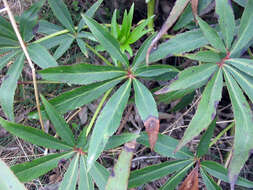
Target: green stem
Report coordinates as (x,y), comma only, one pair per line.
(221,134)
(151,10)
(101,103)
(98,54)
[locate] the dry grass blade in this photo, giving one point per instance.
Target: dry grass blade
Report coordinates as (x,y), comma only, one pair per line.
(172,18)
(192,180)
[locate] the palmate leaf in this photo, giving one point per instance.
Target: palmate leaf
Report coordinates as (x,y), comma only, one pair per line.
(155,71)
(245,32)
(244,65)
(100,175)
(217,170)
(6,29)
(139,59)
(8,179)
(78,97)
(211,35)
(40,56)
(89,13)
(154,172)
(64,46)
(28,171)
(121,171)
(243,128)
(181,43)
(226,21)
(85,181)
(62,14)
(34,136)
(70,177)
(9,85)
(195,76)
(244,80)
(82,73)
(205,140)
(60,125)
(5,59)
(118,140)
(147,109)
(177,178)
(28,20)
(106,40)
(187,16)
(165,146)
(205,56)
(207,105)
(208,181)
(108,122)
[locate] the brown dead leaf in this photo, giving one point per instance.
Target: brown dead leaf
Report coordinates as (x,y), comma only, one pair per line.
(194,4)
(152,125)
(192,180)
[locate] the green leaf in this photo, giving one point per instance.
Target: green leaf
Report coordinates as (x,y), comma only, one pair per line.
(139,31)
(144,101)
(48,28)
(82,46)
(121,171)
(195,76)
(154,71)
(8,42)
(118,140)
(64,46)
(114,25)
(205,139)
(207,105)
(185,101)
(33,135)
(81,73)
(78,97)
(217,170)
(8,179)
(53,42)
(62,14)
(242,3)
(177,178)
(205,56)
(211,35)
(226,21)
(244,65)
(181,43)
(139,59)
(99,174)
(89,13)
(9,85)
(6,29)
(245,32)
(28,171)
(244,80)
(106,40)
(28,20)
(85,181)
(187,17)
(129,20)
(243,128)
(41,56)
(175,95)
(208,181)
(60,125)
(71,175)
(5,59)
(156,171)
(108,122)
(165,146)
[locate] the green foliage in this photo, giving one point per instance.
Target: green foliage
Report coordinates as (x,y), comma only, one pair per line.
(217,65)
